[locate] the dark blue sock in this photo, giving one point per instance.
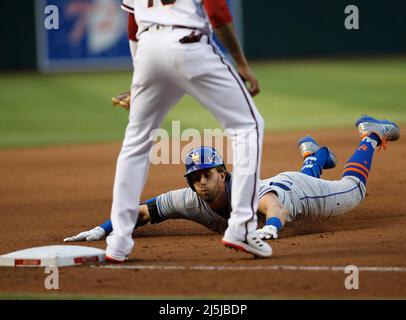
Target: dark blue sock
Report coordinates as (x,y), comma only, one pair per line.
(107,226)
(312,165)
(375,137)
(360,163)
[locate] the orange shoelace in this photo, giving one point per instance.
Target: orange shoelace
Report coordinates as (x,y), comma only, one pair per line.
(384,142)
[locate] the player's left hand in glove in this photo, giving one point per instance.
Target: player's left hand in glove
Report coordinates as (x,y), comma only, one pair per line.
(122,100)
(95,234)
(267,232)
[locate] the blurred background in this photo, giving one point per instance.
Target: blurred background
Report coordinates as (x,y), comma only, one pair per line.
(56,84)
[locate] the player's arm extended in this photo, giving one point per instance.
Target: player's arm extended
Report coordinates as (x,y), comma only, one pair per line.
(103,230)
(276,216)
(221,21)
(123,99)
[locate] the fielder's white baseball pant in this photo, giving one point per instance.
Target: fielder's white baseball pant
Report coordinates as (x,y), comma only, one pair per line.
(165,70)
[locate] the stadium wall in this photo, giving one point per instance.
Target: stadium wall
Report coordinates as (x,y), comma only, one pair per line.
(268,28)
(300,28)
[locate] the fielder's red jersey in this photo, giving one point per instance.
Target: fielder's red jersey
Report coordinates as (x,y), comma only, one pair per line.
(187,13)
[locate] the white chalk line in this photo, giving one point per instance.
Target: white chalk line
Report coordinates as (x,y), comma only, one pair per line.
(250,268)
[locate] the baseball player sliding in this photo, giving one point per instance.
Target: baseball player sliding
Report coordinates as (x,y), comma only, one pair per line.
(281,198)
(173,55)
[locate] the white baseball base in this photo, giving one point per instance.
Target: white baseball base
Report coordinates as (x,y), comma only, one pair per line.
(58,256)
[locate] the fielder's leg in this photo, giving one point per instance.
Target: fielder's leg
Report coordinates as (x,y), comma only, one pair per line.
(149,105)
(220,89)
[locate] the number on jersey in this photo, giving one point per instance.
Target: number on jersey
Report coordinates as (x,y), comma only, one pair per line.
(164,2)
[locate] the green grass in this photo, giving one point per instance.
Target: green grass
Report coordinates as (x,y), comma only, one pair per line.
(39,110)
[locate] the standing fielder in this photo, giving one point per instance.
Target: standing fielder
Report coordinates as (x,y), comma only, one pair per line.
(281,198)
(173,55)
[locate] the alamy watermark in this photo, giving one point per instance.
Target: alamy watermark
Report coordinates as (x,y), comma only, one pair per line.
(351,22)
(352,281)
(51,282)
(51,21)
(167,148)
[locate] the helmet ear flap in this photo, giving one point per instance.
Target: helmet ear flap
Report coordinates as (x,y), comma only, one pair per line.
(190,183)
(228,176)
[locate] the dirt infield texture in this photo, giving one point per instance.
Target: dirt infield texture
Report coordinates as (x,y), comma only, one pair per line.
(47,194)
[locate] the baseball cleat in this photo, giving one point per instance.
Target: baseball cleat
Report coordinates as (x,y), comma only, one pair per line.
(112,260)
(253,245)
(386,130)
(308,146)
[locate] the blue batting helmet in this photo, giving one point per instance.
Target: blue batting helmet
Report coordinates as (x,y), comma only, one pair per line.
(202,158)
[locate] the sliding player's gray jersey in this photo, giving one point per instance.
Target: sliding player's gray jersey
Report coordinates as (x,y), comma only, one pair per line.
(299,193)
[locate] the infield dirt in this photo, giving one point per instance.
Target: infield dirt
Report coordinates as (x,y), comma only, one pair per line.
(47,194)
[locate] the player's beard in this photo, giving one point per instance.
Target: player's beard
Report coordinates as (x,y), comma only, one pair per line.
(210,195)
